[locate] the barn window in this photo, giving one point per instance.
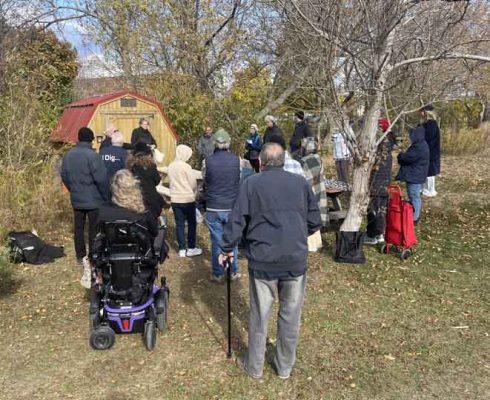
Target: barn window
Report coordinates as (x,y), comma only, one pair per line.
(128,102)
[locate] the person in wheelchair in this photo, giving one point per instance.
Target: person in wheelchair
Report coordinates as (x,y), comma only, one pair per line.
(123,297)
(127,203)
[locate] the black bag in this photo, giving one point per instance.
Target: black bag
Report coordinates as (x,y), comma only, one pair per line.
(348,248)
(27,247)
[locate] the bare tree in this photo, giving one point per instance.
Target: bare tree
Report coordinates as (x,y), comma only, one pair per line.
(369,51)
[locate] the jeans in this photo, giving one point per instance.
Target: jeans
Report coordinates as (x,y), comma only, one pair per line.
(79,230)
(216,222)
(185,212)
(413,190)
(376,215)
(291,293)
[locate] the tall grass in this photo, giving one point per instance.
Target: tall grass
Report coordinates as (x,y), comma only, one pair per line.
(32,198)
(466,141)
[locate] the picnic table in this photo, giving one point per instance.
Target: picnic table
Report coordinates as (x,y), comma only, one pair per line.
(335,213)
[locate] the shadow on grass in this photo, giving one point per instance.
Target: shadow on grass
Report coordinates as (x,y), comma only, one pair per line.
(196,289)
(9,285)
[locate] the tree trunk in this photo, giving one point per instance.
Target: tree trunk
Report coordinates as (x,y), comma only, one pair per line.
(363,165)
(359,198)
(485,114)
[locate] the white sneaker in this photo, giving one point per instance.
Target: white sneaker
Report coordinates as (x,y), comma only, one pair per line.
(380,238)
(426,193)
(182,253)
(194,252)
(86,280)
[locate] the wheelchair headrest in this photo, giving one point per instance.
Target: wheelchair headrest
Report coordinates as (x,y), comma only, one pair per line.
(125,232)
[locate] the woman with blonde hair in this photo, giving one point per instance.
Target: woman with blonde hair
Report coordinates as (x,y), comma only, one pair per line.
(433,139)
(141,164)
(127,203)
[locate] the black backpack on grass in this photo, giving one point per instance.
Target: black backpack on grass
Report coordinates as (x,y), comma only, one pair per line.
(27,247)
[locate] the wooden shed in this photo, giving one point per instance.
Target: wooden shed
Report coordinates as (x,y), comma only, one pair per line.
(123,109)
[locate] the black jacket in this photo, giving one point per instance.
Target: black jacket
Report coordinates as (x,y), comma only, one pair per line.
(301,131)
(414,163)
(275,212)
(149,178)
(433,139)
(111,213)
(269,132)
(85,177)
(381,175)
(142,135)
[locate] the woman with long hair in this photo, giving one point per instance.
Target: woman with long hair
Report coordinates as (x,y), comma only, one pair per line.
(127,203)
(141,164)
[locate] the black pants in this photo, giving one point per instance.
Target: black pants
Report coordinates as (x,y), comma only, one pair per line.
(255,165)
(185,212)
(79,228)
(376,215)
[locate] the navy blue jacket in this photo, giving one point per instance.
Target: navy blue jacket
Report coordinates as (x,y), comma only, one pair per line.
(275,212)
(221,180)
(414,163)
(85,176)
(114,159)
(433,139)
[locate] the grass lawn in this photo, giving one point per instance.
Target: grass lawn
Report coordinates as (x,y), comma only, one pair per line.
(384,330)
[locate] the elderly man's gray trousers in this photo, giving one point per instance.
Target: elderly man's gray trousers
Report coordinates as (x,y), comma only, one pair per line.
(291,293)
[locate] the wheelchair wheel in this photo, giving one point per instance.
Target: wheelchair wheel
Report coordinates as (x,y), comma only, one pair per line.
(405,254)
(150,335)
(163,316)
(102,338)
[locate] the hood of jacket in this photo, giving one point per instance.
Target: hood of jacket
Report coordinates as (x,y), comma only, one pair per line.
(183,152)
(417,134)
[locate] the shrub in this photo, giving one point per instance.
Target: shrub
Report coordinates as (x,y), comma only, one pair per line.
(33,198)
(465,141)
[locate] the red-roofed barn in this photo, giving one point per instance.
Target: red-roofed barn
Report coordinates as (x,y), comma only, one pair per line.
(123,109)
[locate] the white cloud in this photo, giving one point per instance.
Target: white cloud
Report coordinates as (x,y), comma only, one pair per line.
(95,65)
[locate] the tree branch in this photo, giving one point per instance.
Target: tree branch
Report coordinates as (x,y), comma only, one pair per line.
(450,56)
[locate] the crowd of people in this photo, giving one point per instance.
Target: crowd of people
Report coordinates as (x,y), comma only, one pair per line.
(272,203)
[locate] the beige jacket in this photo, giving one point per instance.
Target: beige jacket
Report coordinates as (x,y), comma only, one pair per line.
(183,183)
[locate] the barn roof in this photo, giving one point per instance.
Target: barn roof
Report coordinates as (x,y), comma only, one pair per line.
(80,113)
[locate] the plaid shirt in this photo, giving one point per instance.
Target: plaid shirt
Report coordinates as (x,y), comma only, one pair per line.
(291,165)
(313,172)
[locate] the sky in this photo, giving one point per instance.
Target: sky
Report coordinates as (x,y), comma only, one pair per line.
(92,61)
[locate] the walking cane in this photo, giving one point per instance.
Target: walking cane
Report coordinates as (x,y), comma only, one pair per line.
(228,295)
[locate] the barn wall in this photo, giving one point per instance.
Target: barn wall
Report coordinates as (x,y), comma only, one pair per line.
(126,119)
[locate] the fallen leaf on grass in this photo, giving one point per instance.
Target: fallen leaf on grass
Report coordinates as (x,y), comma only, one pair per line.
(389,357)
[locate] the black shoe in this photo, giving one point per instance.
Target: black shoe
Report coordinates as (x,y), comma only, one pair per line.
(416,222)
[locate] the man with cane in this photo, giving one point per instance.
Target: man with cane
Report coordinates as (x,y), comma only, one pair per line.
(274,213)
